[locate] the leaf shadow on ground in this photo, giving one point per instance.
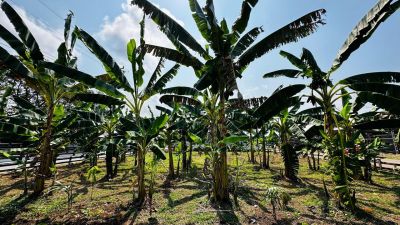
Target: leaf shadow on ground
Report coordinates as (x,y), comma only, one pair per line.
(14,207)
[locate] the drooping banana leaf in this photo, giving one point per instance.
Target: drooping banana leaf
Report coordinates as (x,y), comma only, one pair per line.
(98,99)
(18,69)
(164,110)
(25,104)
(109,63)
(278,98)
(158,124)
(292,32)
(128,125)
(65,123)
(83,78)
(158,152)
(169,25)
(180,90)
(382,101)
(173,55)
(234,139)
(170,100)
(23,31)
(364,29)
(81,124)
(283,73)
(14,42)
(375,77)
(16,129)
(90,116)
(392,90)
(378,124)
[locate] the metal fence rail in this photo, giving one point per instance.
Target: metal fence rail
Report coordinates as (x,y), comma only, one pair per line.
(7,165)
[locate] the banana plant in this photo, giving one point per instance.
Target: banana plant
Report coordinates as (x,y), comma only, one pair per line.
(145,137)
(171,133)
(30,118)
(311,122)
(279,101)
(240,112)
(97,127)
(233,51)
(92,176)
(31,67)
(286,128)
(134,97)
(370,86)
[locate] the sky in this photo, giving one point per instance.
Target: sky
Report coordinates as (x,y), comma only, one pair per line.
(114,23)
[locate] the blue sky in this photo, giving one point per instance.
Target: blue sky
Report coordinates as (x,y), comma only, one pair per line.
(115,22)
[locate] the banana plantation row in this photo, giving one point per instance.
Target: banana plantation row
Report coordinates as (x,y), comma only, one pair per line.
(48,106)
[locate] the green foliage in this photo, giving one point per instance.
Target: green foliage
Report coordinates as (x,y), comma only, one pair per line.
(277,198)
(196,139)
(67,189)
(234,139)
(92,174)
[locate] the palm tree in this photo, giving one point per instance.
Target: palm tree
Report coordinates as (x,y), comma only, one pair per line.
(232,54)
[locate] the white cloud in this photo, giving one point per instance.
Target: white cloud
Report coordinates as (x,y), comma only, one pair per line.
(49,39)
(116,32)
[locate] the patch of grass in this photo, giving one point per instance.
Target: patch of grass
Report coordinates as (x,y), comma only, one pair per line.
(185,200)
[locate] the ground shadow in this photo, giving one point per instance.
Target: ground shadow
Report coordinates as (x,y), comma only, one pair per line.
(226,213)
(14,207)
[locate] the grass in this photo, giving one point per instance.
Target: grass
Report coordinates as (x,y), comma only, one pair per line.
(185,200)
(390,156)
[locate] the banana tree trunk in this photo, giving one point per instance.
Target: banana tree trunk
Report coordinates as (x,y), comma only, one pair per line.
(171,172)
(313,160)
(136,157)
(45,155)
(268,152)
(140,176)
(221,193)
(220,173)
(190,154)
(338,161)
(109,168)
(264,162)
(117,161)
(184,151)
(25,174)
(309,163)
(252,159)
